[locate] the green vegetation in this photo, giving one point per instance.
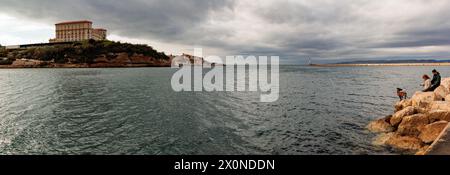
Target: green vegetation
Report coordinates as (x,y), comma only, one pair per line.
(84,52)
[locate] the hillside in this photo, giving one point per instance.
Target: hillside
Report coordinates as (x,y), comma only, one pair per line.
(86,54)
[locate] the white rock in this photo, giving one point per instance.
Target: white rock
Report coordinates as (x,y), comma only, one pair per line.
(440,93)
(447,98)
(439,105)
(398,116)
(446,83)
(422,99)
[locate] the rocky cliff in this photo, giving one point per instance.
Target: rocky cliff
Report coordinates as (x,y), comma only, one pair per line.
(417,122)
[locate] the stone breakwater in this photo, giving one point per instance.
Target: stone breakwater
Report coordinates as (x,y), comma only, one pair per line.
(417,122)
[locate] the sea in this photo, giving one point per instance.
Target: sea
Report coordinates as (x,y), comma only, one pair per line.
(135,111)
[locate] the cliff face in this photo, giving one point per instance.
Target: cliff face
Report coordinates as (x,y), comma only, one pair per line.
(125,60)
(417,122)
(103,61)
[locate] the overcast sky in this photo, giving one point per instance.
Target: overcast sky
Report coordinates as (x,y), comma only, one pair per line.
(292,29)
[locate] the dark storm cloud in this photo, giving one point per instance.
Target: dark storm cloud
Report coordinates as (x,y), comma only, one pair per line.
(419,38)
(165,19)
(291,29)
(356,29)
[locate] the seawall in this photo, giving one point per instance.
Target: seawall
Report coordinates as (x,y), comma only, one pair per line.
(419,125)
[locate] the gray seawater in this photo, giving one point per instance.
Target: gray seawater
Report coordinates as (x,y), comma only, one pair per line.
(135,111)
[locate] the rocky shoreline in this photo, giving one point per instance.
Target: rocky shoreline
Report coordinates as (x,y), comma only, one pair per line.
(118,61)
(417,122)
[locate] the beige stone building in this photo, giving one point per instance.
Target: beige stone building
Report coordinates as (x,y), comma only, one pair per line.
(77,31)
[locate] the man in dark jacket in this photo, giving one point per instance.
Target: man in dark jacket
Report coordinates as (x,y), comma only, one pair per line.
(435,82)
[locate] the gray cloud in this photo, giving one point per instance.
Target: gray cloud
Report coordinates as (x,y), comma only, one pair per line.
(419,37)
(167,19)
(330,30)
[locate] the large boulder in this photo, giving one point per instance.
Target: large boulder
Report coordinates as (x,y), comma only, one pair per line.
(439,105)
(440,93)
(430,132)
(422,99)
(402,104)
(382,138)
(398,116)
(381,125)
(438,115)
(445,82)
(412,125)
(423,151)
(405,143)
(447,98)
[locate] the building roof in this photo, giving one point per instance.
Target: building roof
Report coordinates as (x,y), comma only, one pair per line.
(74,22)
(100,29)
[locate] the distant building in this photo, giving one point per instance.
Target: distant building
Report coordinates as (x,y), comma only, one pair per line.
(189,60)
(77,31)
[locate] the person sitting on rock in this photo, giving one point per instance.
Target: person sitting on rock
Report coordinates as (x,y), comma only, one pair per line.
(426,82)
(402,94)
(435,82)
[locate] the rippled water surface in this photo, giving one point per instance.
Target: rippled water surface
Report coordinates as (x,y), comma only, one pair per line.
(135,111)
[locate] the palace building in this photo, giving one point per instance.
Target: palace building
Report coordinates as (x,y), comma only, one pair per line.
(72,31)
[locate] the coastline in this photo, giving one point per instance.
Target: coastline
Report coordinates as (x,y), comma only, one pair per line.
(121,60)
(380,65)
(79,66)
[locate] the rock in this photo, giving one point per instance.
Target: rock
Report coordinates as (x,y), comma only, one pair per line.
(382,138)
(412,125)
(422,99)
(441,145)
(421,110)
(423,151)
(27,63)
(403,104)
(438,115)
(122,58)
(398,116)
(404,143)
(430,132)
(447,98)
(101,60)
(381,125)
(440,93)
(439,105)
(446,83)
(140,59)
